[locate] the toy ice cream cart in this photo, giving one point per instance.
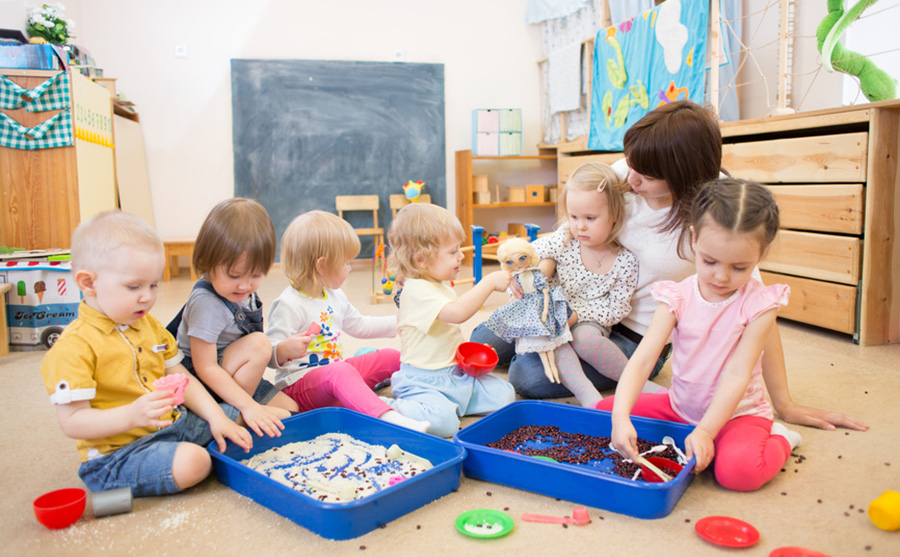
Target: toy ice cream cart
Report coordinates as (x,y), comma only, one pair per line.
(43,298)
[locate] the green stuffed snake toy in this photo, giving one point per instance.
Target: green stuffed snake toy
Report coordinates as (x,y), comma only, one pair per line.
(875,83)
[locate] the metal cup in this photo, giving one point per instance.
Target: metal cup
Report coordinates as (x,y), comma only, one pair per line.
(113,501)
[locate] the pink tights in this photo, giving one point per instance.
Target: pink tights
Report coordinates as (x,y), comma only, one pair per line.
(747,454)
(347,383)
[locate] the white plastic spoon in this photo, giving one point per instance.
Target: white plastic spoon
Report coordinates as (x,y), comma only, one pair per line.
(681,457)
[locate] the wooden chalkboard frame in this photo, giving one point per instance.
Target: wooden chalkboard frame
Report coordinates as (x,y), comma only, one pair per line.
(307,130)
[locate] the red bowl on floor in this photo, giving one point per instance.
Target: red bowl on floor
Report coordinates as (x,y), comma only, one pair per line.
(476,359)
(670,467)
(60,508)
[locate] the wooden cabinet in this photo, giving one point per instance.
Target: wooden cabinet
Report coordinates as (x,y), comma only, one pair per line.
(519,169)
(45,193)
(835,176)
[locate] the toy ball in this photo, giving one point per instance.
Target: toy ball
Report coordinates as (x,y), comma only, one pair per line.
(884,511)
(476,359)
(493,240)
(60,508)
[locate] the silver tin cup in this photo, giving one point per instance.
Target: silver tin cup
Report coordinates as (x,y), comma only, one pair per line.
(113,501)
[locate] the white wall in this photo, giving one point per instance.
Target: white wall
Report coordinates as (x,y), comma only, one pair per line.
(488,53)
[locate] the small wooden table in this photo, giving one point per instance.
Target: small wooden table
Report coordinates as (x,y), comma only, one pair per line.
(175,247)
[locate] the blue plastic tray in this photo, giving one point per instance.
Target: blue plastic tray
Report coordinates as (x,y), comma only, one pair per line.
(341,521)
(583,484)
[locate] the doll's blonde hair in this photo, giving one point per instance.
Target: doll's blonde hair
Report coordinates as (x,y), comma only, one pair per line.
(417,234)
(601,178)
(515,246)
(313,236)
(96,239)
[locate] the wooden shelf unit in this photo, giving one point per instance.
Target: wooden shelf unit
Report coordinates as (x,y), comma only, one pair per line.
(465,205)
(46,193)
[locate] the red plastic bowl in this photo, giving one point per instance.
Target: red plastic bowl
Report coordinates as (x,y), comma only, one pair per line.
(476,359)
(60,508)
(668,466)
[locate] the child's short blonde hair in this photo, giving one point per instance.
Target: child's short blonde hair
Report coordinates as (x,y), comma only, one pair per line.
(95,239)
(599,177)
(416,236)
(312,236)
(233,228)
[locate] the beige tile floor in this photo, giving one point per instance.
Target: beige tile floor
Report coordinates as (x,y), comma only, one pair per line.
(814,503)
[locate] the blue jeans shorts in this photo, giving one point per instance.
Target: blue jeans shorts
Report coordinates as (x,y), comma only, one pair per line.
(146,464)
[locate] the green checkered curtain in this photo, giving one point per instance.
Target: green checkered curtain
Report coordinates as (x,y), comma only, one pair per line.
(56,131)
(53,94)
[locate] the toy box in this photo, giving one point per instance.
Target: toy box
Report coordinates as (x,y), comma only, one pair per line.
(535,193)
(517,195)
(43,300)
(588,484)
(341,521)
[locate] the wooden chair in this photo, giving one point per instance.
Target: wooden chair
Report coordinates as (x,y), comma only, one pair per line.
(399,201)
(361,203)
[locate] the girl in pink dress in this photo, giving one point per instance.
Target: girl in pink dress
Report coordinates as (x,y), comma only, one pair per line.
(719,320)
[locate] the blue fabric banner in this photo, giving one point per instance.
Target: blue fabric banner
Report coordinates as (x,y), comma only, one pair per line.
(652,59)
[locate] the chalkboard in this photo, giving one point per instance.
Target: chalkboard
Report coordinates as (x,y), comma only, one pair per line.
(307,130)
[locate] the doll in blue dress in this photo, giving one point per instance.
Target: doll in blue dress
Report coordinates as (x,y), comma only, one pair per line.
(537,322)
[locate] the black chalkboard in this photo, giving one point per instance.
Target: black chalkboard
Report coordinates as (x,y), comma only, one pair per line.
(307,130)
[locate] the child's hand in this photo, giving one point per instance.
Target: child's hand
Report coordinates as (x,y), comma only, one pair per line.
(293,347)
(700,444)
(515,291)
(146,410)
(260,419)
(499,280)
(822,419)
(223,428)
(624,439)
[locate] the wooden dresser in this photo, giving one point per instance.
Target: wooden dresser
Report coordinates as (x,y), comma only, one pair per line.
(836,178)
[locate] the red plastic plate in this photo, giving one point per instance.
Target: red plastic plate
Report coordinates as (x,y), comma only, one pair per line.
(795,552)
(727,531)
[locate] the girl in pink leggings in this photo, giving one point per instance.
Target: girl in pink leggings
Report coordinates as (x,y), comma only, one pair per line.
(310,316)
(719,320)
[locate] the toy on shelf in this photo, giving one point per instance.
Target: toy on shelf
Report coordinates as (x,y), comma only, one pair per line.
(412,190)
(537,322)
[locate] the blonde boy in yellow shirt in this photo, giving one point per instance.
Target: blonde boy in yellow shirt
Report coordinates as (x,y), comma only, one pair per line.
(100,372)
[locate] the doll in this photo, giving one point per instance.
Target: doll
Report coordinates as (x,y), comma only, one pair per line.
(538,322)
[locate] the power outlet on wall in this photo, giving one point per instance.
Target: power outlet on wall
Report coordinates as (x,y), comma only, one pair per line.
(181,51)
(399,55)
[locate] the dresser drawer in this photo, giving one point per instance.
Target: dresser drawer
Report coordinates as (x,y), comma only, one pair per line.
(823,159)
(821,207)
(817,256)
(823,304)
